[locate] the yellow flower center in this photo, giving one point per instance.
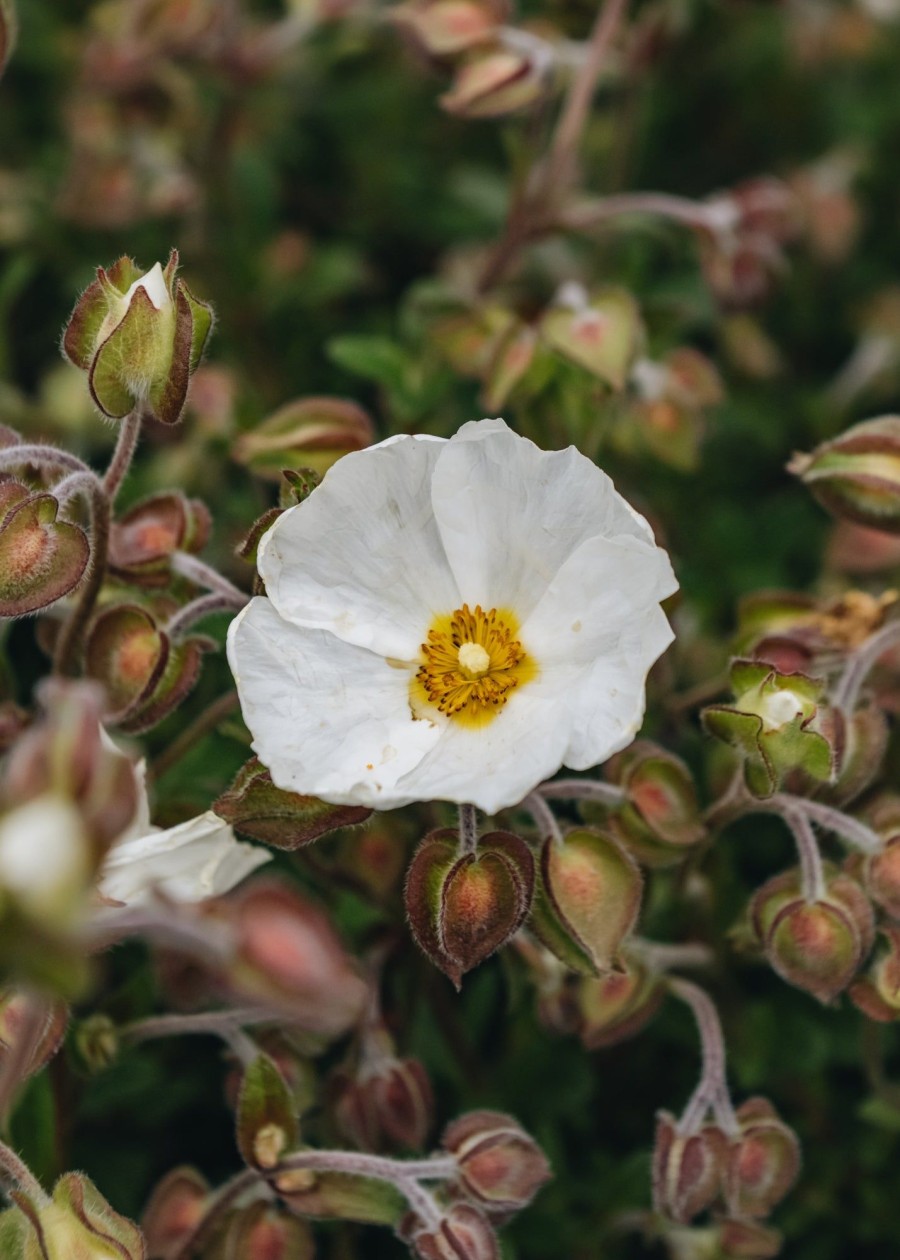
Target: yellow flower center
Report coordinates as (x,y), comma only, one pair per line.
(471,661)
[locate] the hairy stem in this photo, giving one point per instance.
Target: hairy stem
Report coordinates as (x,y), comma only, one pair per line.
(576,108)
(468,829)
(543,816)
(196,610)
(213,1023)
(850,829)
(846,690)
(22,1176)
(126,443)
(812,876)
(714,216)
(69,641)
(202,574)
(583,790)
(712,1091)
(184,742)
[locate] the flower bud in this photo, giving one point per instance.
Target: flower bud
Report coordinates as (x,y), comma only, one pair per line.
(495,82)
(614,1007)
(139,336)
(600,333)
(96,1043)
(262,1232)
(446,27)
(308,433)
(463,908)
(877,994)
(289,956)
(145,673)
(763,1163)
(66,754)
(881,875)
(586,900)
(387,1101)
(818,946)
(500,1166)
(687,1168)
(660,819)
(76,1224)
(16,1010)
(141,541)
(856,476)
(285,820)
(778,724)
(41,557)
(747,1240)
(463,1234)
(176,1207)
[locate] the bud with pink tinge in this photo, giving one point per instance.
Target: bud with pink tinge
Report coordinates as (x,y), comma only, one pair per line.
(763,1162)
(856,476)
(463,1234)
(499,1164)
(687,1168)
(816,945)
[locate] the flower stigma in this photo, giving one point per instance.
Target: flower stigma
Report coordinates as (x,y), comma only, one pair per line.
(470,663)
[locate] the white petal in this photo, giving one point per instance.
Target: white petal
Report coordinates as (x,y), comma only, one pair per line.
(362,557)
(595,633)
(327,718)
(197,859)
(510,514)
(495,766)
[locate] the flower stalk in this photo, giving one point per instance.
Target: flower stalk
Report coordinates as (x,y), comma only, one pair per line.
(13,1168)
(712,1089)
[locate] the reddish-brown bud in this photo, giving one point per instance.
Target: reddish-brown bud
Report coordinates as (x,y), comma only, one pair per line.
(146,674)
(289,956)
(285,820)
(818,946)
(614,1007)
(464,906)
(687,1168)
(499,1165)
(387,1102)
(16,1011)
(8,30)
(660,819)
(763,1163)
(463,1234)
(877,994)
(64,753)
(41,557)
(587,899)
(142,540)
(445,27)
(175,1209)
(262,1232)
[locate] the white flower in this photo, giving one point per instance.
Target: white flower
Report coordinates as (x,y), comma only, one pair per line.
(450,620)
(197,859)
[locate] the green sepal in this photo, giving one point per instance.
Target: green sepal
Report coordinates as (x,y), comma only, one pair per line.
(202,319)
(285,820)
(603,338)
(267,1124)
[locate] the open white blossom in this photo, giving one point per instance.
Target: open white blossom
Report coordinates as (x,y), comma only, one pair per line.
(197,859)
(450,620)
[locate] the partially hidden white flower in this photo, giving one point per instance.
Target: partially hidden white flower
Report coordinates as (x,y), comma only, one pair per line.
(450,620)
(197,859)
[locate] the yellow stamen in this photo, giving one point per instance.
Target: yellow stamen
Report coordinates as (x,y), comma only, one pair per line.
(471,661)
